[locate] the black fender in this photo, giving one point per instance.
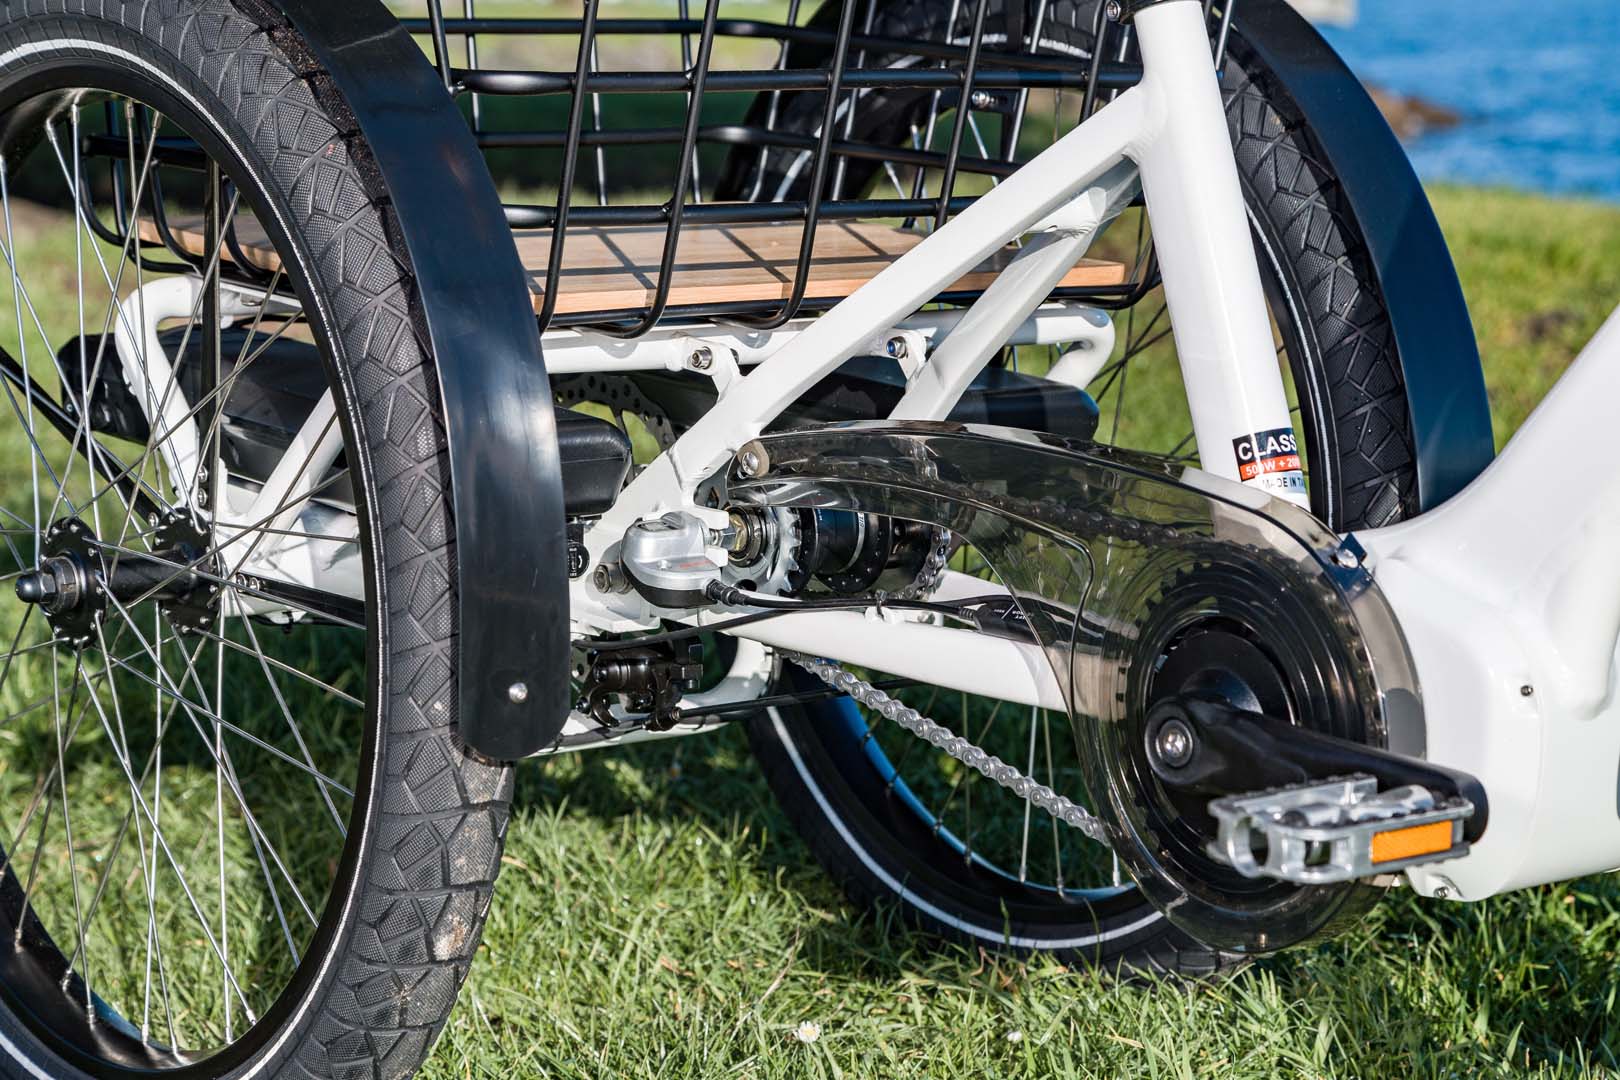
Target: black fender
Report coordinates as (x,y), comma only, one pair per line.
(506,482)
(1434,337)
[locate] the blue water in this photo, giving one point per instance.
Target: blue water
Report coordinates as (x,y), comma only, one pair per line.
(1538,85)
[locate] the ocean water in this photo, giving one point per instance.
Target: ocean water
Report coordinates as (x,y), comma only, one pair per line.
(1537,84)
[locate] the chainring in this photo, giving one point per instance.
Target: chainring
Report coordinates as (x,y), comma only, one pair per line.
(1120,562)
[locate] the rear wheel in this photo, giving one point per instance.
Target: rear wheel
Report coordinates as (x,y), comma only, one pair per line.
(239,835)
(897,823)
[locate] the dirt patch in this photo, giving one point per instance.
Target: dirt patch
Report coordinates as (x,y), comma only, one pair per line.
(31,220)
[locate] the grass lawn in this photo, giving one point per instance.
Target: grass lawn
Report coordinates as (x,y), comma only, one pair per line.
(657,916)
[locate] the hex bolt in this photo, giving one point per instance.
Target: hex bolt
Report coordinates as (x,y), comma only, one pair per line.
(1114,10)
(896,347)
(1346,558)
(702,358)
(518,692)
(609,578)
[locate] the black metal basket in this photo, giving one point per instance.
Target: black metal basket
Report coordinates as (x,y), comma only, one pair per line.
(728,104)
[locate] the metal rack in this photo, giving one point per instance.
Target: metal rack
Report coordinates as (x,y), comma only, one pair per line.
(950,71)
(833,51)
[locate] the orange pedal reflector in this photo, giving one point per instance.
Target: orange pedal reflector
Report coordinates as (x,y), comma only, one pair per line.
(1412,841)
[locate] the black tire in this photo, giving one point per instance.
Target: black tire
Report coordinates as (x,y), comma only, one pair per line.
(1354,420)
(409,898)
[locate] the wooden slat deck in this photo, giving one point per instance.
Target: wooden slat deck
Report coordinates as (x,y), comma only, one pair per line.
(616,268)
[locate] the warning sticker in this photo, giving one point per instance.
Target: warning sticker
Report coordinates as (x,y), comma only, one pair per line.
(1270,459)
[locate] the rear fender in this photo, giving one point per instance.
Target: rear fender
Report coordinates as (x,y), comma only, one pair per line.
(511,540)
(1434,337)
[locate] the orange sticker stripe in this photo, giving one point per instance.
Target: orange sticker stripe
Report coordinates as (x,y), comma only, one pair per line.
(1248,470)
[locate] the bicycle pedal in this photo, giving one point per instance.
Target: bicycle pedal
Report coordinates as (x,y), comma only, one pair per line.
(1327,831)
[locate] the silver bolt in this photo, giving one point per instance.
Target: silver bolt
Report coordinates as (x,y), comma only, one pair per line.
(702,359)
(1174,744)
(1114,10)
(1442,893)
(518,692)
(1526,690)
(981,99)
(896,347)
(753,461)
(609,578)
(1346,558)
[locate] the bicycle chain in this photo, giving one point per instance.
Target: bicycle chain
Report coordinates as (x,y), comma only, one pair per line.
(960,748)
(1086,519)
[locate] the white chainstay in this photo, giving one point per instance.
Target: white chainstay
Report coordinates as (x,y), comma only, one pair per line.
(975,758)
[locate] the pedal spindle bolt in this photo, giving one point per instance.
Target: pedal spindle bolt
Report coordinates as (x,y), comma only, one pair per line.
(1174,743)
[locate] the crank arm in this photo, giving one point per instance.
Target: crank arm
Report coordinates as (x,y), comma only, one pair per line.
(1301,806)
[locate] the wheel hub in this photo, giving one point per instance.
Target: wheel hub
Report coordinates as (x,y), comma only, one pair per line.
(76,581)
(68,584)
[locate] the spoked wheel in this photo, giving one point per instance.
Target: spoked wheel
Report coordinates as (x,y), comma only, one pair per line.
(901,823)
(238,834)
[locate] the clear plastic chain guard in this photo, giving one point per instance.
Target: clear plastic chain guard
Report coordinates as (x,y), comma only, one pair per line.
(1094,544)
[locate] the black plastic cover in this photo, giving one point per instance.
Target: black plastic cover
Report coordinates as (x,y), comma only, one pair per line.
(869,387)
(595,461)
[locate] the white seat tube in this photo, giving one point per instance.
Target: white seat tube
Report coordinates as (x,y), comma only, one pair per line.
(1206,255)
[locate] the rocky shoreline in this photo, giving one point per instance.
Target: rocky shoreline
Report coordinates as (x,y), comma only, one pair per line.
(1411,116)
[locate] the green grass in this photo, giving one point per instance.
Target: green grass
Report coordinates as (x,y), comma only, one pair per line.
(658,917)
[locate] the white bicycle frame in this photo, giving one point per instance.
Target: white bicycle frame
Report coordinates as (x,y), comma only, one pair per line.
(1508,594)
(1168,135)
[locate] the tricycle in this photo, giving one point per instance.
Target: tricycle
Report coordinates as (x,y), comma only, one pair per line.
(1052,428)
